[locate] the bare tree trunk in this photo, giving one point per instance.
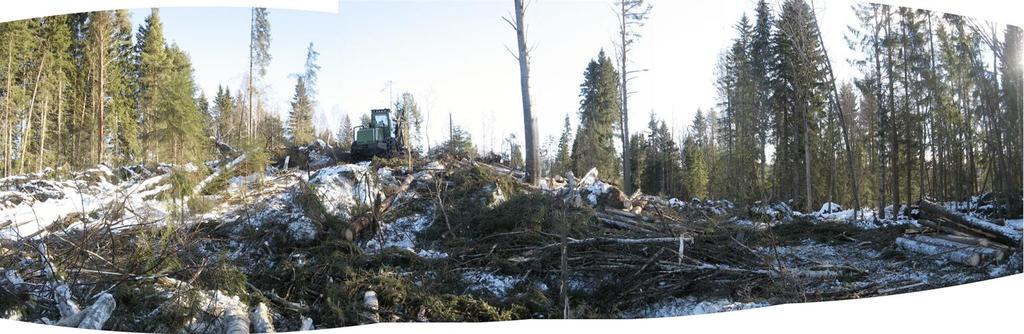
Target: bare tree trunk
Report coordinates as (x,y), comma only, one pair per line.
(60,125)
(894,154)
(807,160)
(7,109)
(627,173)
(881,119)
(99,97)
(44,114)
(908,156)
(530,123)
(252,45)
(850,169)
(26,134)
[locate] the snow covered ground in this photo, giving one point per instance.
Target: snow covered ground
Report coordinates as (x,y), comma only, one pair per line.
(401,234)
(33,202)
(689,306)
(342,187)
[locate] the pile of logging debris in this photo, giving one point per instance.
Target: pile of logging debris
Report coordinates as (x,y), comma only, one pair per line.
(959,238)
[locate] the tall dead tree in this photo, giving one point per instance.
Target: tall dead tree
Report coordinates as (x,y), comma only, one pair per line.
(529,122)
(259,58)
(631,15)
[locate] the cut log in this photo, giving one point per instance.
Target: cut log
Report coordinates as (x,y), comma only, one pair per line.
(623,241)
(92,317)
(974,226)
(361,223)
(230,166)
(307,324)
(298,307)
(235,319)
(12,282)
(961,256)
(974,241)
(616,221)
(947,228)
(986,252)
(261,320)
(371,308)
(65,303)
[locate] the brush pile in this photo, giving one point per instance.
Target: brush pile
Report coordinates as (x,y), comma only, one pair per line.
(301,246)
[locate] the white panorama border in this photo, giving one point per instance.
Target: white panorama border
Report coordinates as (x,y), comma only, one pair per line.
(986,306)
(12,10)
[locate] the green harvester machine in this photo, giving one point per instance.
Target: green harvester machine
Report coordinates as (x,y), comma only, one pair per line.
(381,138)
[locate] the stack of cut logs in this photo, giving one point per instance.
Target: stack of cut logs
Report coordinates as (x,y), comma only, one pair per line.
(959,238)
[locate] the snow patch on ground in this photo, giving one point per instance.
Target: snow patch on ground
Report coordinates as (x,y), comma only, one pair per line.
(32,202)
(342,187)
(302,230)
(482,281)
(1016,224)
(829,207)
(689,306)
(596,189)
(714,207)
(401,234)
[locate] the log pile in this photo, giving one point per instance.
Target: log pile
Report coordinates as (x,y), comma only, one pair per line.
(959,238)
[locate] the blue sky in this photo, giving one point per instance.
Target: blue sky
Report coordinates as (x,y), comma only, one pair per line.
(452,56)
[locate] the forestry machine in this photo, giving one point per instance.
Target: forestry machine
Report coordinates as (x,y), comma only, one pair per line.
(381,138)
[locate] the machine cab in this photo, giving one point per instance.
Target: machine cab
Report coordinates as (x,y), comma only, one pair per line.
(381,119)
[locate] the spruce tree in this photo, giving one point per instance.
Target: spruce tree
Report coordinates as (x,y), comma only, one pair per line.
(178,127)
(563,159)
(594,144)
(695,177)
(225,113)
(153,66)
(123,119)
(798,103)
(345,132)
(300,119)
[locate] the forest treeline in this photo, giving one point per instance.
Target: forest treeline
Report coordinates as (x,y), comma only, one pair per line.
(934,111)
(927,116)
(83,89)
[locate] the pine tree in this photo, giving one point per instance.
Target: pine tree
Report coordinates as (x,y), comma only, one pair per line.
(599,112)
(57,34)
(15,37)
(99,52)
